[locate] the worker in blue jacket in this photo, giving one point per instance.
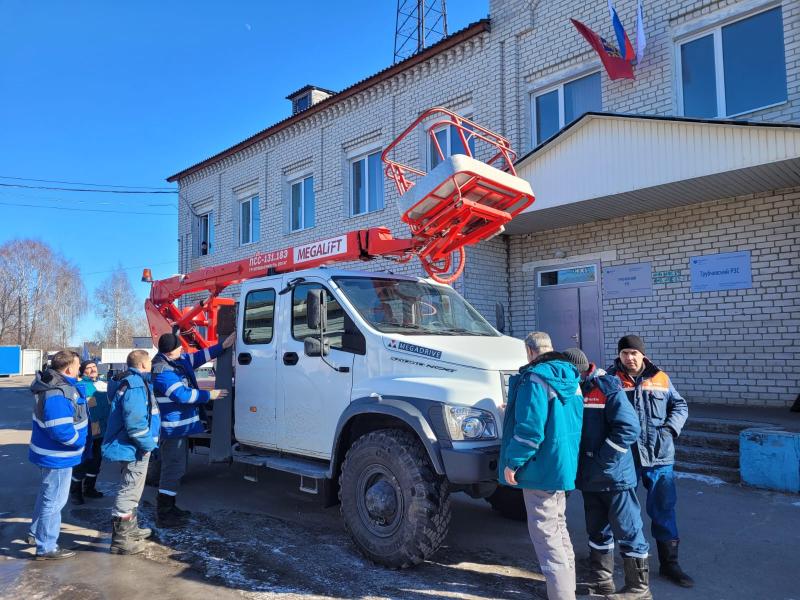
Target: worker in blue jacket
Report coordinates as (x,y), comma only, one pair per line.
(607,480)
(662,413)
(179,398)
(58,441)
(131,435)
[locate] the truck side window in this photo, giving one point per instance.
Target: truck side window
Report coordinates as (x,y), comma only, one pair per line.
(336,315)
(259,317)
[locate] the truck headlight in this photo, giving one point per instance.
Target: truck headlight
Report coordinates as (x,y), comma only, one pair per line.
(464,423)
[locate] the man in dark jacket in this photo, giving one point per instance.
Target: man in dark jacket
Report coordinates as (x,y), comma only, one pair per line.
(58,440)
(607,479)
(539,453)
(179,399)
(132,434)
(662,413)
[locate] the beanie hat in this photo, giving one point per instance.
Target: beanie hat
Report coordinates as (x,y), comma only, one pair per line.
(168,342)
(85,364)
(630,342)
(577,358)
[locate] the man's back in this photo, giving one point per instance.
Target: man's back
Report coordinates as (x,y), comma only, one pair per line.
(542,428)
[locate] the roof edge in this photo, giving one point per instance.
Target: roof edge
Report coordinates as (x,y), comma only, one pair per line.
(468,32)
(586,116)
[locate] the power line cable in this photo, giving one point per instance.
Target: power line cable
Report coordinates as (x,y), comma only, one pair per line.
(111,185)
(31,195)
(102,191)
(119,212)
(171,262)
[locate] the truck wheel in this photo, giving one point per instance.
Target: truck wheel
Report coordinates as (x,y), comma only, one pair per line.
(394,505)
(509,503)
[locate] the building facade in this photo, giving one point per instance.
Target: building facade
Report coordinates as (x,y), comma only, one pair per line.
(667,205)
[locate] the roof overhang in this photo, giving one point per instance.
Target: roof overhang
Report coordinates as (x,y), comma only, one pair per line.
(605,166)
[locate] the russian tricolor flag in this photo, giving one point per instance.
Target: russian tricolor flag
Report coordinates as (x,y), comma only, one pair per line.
(623,42)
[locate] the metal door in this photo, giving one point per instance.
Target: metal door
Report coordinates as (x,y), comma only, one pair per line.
(568,307)
(315,392)
(559,315)
(255,361)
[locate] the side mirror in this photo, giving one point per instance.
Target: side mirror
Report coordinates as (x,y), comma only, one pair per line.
(313,347)
(316,310)
(500,317)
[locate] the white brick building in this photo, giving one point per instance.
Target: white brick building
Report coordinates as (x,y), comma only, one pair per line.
(680,189)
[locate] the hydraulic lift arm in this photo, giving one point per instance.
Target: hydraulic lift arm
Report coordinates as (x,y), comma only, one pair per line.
(461,202)
(163,316)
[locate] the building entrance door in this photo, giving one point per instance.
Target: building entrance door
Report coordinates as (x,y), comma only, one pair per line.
(568,308)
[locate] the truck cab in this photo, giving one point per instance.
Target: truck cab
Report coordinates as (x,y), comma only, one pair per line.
(392,386)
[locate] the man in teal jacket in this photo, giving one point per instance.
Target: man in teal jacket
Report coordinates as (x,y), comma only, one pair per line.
(539,453)
(84,476)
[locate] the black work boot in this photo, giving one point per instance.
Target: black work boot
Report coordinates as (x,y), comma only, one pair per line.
(76,492)
(166,514)
(668,564)
(57,554)
(637,580)
(601,572)
(139,533)
(89,490)
(122,540)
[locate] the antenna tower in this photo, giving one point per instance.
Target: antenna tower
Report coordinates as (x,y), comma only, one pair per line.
(419,24)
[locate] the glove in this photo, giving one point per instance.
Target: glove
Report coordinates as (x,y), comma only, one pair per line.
(228,342)
(218,394)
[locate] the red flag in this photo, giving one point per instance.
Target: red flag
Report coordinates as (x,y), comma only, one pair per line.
(616,66)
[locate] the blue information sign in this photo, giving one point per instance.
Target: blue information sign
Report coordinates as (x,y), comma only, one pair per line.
(628,281)
(727,271)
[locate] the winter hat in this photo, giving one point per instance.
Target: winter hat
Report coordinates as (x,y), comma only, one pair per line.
(577,358)
(85,364)
(630,342)
(168,342)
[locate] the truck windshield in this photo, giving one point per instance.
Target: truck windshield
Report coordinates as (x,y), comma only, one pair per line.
(413,307)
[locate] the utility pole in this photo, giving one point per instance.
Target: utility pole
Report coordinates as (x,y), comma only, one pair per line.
(19,321)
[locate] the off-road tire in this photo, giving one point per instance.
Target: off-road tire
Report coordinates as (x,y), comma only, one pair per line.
(509,503)
(423,514)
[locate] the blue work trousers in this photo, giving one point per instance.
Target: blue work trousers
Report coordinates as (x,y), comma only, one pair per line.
(52,497)
(615,516)
(661,500)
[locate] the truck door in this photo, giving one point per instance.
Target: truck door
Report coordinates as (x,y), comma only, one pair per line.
(255,406)
(314,394)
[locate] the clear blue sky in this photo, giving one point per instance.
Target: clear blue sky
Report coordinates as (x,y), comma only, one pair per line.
(130,93)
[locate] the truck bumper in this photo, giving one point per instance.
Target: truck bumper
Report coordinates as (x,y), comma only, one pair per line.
(472,465)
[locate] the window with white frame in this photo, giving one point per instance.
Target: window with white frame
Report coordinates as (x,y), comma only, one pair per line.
(205,234)
(556,107)
(734,68)
(366,184)
(249,221)
(448,140)
(302,204)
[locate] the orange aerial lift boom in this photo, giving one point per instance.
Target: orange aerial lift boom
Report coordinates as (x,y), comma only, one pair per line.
(459,202)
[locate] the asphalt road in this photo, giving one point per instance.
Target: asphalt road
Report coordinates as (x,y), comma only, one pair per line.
(269,540)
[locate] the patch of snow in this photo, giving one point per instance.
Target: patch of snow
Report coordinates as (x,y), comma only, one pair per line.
(707,479)
(795,503)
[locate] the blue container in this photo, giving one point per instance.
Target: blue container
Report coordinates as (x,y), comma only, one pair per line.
(10,360)
(770,459)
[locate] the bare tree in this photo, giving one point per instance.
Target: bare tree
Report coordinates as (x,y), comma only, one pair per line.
(71,304)
(42,295)
(120,310)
